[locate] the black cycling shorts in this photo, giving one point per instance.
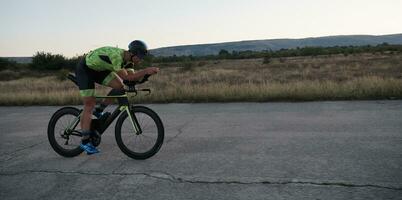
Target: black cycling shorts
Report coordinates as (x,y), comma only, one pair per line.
(87,77)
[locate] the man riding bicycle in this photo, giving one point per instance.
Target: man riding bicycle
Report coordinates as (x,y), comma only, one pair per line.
(107,66)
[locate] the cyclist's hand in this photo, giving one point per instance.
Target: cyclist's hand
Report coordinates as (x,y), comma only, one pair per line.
(152,70)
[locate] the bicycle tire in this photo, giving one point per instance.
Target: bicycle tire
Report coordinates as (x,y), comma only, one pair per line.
(51,133)
(160,133)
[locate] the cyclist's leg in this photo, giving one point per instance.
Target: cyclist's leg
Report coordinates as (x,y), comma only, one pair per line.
(89,105)
(118,89)
(86,84)
(114,81)
(86,145)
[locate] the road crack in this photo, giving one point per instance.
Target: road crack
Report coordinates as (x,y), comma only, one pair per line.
(10,155)
(200,180)
(180,130)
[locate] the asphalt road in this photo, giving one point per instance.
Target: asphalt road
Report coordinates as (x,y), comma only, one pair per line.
(312,150)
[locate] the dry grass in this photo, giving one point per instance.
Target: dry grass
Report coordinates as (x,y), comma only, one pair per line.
(363,76)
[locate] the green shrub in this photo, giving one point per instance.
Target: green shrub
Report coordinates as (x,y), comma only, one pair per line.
(6,64)
(62,74)
(47,61)
(7,75)
(266,60)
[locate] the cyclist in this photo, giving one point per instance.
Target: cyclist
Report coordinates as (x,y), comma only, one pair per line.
(107,66)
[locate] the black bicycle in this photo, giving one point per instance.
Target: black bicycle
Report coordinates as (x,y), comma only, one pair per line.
(139,131)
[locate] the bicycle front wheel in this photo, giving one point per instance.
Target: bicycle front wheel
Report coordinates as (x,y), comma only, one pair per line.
(143,144)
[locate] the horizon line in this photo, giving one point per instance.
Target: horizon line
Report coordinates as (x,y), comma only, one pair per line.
(247,40)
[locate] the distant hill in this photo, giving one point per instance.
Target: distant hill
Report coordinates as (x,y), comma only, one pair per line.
(277,44)
(260,45)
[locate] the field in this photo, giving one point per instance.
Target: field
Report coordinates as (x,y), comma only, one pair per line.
(336,77)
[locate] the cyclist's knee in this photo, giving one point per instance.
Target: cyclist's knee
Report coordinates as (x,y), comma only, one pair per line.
(89,103)
(116,83)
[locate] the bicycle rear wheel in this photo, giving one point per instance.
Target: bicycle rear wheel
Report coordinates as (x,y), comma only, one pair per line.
(139,145)
(62,134)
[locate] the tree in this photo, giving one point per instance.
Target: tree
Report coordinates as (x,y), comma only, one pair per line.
(47,61)
(224,53)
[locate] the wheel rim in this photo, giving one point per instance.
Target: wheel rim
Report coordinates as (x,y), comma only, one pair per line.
(140,143)
(65,140)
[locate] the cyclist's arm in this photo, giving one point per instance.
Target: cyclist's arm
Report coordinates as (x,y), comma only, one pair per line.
(122,73)
(138,74)
(130,71)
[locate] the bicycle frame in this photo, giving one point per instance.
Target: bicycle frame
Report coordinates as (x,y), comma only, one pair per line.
(131,121)
(124,105)
(103,126)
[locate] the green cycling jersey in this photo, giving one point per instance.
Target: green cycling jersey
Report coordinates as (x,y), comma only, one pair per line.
(105,58)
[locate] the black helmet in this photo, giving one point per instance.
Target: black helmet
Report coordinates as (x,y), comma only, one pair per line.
(138,48)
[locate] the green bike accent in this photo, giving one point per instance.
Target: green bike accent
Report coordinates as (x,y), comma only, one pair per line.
(87,93)
(132,121)
(75,122)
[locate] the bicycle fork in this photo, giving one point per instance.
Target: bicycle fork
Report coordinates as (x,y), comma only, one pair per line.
(133,120)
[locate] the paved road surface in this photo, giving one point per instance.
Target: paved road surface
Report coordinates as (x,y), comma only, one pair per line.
(313,150)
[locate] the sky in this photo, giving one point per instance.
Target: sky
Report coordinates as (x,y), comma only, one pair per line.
(74,27)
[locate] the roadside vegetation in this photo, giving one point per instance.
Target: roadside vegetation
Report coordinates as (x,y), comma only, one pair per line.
(373,73)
